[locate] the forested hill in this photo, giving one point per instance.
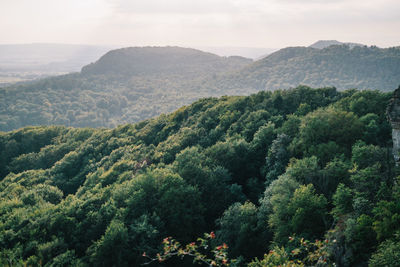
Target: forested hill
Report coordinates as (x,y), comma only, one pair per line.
(152,61)
(132,84)
(301,163)
(341,66)
(125,85)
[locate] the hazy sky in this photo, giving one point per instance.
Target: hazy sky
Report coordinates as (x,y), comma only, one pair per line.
(246,23)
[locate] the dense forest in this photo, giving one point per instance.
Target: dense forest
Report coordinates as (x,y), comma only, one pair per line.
(125,85)
(255,172)
(342,66)
(132,84)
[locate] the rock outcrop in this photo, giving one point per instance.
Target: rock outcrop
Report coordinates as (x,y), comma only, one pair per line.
(393,113)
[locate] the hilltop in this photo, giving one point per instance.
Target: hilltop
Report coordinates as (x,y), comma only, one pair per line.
(326,43)
(154,61)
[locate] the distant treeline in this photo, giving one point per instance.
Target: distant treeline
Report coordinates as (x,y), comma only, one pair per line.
(132,84)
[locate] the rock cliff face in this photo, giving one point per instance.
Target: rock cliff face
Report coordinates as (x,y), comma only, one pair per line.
(393,113)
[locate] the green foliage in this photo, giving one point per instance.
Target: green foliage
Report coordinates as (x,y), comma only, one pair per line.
(305,253)
(360,237)
(342,200)
(165,194)
(325,126)
(388,254)
(367,155)
(238,225)
(304,171)
(387,218)
(367,181)
(274,205)
(308,212)
(112,247)
(257,169)
(277,158)
(201,251)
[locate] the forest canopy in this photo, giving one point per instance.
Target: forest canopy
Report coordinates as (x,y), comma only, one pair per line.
(309,163)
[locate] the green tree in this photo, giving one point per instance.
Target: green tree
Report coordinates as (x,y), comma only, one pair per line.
(342,201)
(112,248)
(388,254)
(238,225)
(274,206)
(308,213)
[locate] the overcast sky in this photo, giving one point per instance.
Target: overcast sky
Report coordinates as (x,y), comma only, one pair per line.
(245,23)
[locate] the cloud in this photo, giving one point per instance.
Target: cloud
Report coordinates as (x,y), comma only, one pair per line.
(269,10)
(268,23)
(255,22)
(173,6)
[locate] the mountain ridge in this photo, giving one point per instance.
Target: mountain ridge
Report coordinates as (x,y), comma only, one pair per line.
(132,84)
(159,60)
(338,65)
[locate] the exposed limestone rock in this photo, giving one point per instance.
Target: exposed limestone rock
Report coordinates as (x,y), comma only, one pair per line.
(393,113)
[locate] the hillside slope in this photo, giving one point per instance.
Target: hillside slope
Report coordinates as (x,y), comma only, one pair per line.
(256,170)
(124,85)
(153,61)
(132,84)
(339,66)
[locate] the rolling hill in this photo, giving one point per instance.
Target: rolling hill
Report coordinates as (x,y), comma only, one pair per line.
(154,61)
(131,84)
(337,65)
(124,85)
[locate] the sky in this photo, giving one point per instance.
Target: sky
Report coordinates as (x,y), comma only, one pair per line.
(191,23)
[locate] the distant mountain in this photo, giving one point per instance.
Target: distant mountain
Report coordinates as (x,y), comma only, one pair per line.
(359,67)
(321,44)
(124,85)
(144,61)
(132,84)
(248,52)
